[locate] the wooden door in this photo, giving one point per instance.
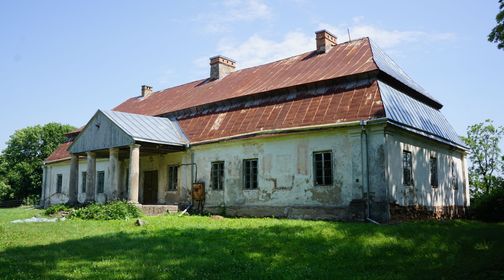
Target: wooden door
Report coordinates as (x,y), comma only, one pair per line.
(150,187)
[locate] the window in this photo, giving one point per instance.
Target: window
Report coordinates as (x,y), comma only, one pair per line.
(217,175)
(172,178)
(407,169)
(454,179)
(322,162)
(84,181)
(127,180)
(433,172)
(59,183)
(100,183)
(250,174)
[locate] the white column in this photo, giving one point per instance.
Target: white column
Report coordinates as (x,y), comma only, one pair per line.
(74,179)
(114,172)
(134,173)
(90,179)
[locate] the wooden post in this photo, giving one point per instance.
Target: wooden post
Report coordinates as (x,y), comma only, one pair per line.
(90,179)
(114,172)
(134,173)
(74,179)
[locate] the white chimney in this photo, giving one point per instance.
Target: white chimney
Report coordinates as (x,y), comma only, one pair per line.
(146,91)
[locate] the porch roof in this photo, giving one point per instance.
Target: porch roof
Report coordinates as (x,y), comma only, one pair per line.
(108,129)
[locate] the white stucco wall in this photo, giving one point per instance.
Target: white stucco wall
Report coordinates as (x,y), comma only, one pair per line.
(285,169)
(422,193)
(63,168)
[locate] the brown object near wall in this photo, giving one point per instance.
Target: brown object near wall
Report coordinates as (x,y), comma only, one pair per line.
(198,191)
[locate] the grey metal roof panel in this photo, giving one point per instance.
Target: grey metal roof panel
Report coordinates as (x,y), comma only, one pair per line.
(387,65)
(147,128)
(409,112)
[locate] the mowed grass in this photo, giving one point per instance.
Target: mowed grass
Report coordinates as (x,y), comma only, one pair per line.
(172,247)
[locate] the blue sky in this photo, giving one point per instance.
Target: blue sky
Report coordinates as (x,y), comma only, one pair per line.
(60,61)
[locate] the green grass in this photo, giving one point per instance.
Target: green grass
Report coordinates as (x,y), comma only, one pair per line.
(172,247)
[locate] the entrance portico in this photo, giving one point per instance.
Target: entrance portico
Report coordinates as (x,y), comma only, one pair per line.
(119,137)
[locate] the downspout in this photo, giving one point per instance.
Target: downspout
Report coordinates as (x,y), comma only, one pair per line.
(387,174)
(192,168)
(194,177)
(365,169)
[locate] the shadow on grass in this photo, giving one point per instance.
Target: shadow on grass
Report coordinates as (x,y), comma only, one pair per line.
(325,251)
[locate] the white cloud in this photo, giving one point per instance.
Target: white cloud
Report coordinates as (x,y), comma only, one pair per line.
(258,50)
(246,10)
(385,38)
(232,11)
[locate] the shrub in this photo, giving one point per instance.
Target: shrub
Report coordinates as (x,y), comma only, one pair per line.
(31,200)
(115,210)
(57,208)
(489,207)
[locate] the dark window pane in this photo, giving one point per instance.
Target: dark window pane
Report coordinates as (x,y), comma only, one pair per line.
(84,182)
(127,180)
(217,175)
(100,182)
(323,168)
(407,168)
(250,174)
(172,178)
(59,183)
(433,171)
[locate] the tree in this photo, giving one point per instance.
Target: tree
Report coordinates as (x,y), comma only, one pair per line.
(483,141)
(21,161)
(497,34)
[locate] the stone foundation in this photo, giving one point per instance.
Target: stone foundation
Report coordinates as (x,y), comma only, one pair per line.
(154,210)
(290,212)
(417,212)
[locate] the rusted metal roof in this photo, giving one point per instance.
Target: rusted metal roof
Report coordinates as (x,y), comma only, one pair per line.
(61,153)
(333,106)
(342,60)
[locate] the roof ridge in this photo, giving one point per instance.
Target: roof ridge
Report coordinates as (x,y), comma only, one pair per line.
(260,65)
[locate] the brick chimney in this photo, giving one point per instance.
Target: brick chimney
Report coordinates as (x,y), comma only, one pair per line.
(146,91)
(220,66)
(325,41)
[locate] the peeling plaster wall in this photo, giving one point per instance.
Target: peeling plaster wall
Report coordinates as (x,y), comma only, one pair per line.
(422,193)
(63,168)
(160,163)
(285,174)
(285,170)
(147,163)
(52,197)
(376,149)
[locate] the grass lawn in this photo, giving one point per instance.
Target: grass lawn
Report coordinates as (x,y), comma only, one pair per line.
(172,247)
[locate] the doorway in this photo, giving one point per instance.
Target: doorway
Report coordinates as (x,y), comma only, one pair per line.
(150,187)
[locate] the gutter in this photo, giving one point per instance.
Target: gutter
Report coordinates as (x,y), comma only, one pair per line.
(289,130)
(56,160)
